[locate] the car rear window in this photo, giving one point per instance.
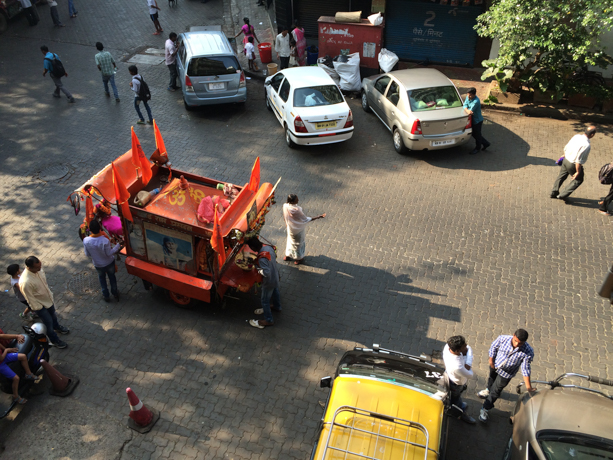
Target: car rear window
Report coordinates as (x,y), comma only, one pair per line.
(211,66)
(317,95)
(440,97)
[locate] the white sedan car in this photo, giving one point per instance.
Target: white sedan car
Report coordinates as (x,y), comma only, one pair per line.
(309,106)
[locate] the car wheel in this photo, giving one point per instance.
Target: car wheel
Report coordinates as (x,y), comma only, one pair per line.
(180,300)
(398,142)
(268,106)
(189,108)
(365,105)
(288,138)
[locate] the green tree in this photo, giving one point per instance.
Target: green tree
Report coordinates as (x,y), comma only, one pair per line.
(543,43)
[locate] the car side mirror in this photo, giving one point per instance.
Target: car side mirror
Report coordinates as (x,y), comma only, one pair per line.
(267,83)
(325,382)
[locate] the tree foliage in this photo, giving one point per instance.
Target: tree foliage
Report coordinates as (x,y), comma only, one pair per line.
(543,43)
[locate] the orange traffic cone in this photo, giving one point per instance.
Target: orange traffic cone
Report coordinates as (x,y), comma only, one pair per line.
(141,418)
(61,385)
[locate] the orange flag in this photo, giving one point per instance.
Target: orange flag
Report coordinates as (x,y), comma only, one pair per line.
(254,181)
(89,209)
(121,194)
(139,160)
(159,142)
(217,240)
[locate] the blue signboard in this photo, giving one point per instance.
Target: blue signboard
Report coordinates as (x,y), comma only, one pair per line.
(421,31)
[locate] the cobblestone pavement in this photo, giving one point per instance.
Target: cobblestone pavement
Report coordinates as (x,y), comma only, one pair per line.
(415,248)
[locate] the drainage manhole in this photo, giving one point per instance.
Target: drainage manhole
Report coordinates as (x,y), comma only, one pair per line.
(83,283)
(52,173)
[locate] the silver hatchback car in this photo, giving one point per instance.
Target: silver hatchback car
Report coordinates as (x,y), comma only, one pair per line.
(421,107)
(208,69)
(562,421)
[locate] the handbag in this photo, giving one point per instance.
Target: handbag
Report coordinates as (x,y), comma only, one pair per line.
(560,161)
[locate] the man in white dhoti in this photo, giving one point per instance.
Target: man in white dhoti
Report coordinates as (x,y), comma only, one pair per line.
(296,221)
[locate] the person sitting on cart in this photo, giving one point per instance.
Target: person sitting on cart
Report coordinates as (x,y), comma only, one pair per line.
(11,355)
(267,267)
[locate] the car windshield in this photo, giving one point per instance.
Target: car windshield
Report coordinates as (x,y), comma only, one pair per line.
(439,97)
(211,66)
(563,446)
(390,375)
(317,95)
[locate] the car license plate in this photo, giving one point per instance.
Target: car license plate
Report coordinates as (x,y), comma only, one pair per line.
(214,86)
(325,124)
(447,142)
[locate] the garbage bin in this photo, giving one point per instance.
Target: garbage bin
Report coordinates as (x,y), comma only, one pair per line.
(265,50)
(312,55)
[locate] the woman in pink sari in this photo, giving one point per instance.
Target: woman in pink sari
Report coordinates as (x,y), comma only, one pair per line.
(248,31)
(298,34)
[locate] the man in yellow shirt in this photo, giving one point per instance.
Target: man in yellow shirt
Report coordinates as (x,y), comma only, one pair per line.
(34,287)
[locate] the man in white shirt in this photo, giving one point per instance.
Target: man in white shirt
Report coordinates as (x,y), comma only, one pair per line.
(153,13)
(575,156)
(282,48)
(34,287)
(458,358)
(171,60)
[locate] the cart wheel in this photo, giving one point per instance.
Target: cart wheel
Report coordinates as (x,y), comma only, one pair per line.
(181,300)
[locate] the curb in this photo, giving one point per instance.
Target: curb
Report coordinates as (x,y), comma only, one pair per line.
(552,112)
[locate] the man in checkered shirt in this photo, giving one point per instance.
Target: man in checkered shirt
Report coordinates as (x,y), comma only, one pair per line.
(507,355)
(107,67)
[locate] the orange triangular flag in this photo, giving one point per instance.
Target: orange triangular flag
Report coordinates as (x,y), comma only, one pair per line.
(139,160)
(217,240)
(254,181)
(121,194)
(89,209)
(159,142)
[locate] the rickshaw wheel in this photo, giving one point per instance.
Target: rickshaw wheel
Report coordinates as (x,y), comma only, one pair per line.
(181,300)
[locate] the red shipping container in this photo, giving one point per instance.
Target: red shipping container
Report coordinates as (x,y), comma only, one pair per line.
(363,38)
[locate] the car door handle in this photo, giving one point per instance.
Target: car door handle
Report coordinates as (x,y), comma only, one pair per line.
(393,113)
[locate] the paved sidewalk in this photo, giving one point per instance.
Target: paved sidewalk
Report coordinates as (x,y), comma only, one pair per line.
(414,248)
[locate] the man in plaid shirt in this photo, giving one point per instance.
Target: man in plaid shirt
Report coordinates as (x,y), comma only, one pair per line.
(507,355)
(106,66)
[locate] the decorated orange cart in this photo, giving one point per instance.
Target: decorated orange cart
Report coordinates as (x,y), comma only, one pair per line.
(182,232)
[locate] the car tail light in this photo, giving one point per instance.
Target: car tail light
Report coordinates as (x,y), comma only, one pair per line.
(416,129)
(299,125)
(349,122)
(469,123)
(188,85)
(243,81)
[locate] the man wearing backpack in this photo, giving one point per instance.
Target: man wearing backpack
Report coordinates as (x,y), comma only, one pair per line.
(141,93)
(54,66)
(575,156)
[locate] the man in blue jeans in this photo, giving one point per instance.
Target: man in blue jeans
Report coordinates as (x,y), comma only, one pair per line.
(472,106)
(98,248)
(135,85)
(107,67)
(34,287)
(267,267)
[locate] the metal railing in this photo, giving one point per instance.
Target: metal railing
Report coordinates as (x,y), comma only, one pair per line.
(379,438)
